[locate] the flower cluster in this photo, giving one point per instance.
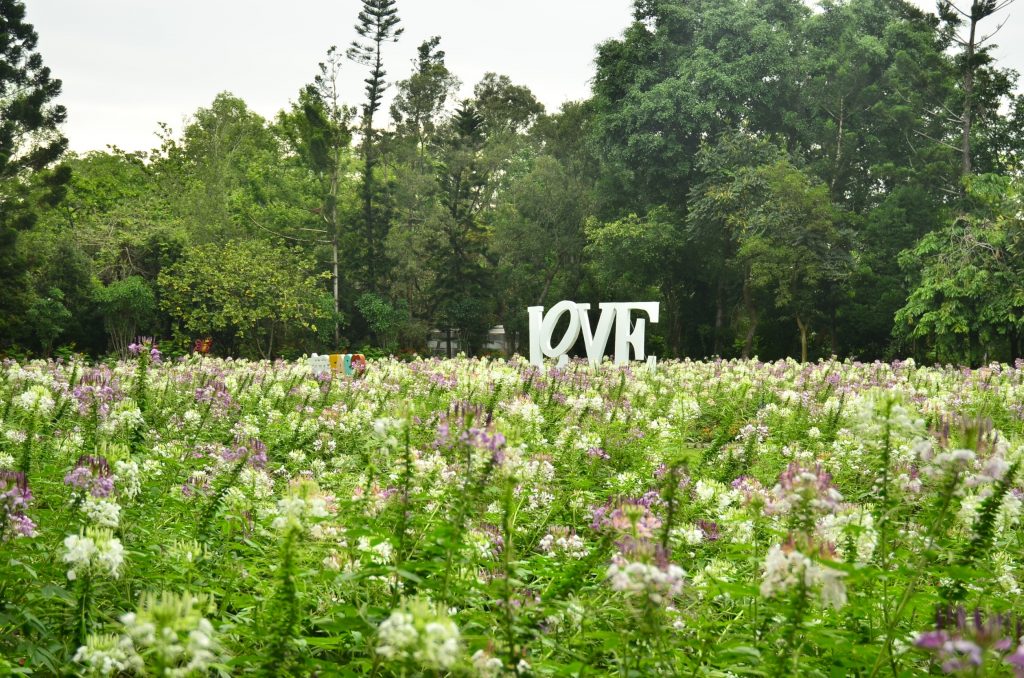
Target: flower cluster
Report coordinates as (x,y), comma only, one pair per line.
(15,496)
(96,550)
(171,631)
(644,573)
(420,634)
(563,541)
(630,516)
(91,476)
(304,506)
(801,490)
(962,642)
(787,570)
(106,654)
(37,399)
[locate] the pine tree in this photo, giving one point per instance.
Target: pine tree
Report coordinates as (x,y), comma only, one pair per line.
(377,24)
(30,143)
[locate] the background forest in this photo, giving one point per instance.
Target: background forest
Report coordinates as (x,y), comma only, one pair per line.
(785,179)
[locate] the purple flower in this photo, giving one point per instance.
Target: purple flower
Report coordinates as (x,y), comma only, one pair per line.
(91,474)
(805,489)
(23,525)
(709,528)
(80,478)
(960,641)
(932,640)
(1016,660)
(253,448)
(15,496)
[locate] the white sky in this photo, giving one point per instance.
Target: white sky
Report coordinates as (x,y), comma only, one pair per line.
(127,64)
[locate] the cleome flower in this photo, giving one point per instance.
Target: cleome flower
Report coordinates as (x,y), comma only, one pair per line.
(91,476)
(420,634)
(15,496)
(656,583)
(94,551)
(563,541)
(304,506)
(107,655)
(966,643)
(786,569)
(37,399)
(170,631)
(643,572)
(805,490)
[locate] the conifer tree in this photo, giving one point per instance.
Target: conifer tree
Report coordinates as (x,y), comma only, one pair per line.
(377,24)
(30,143)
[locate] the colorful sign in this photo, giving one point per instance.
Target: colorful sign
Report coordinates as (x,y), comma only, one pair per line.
(349,364)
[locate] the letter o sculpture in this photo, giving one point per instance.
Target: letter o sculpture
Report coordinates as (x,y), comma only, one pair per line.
(547,328)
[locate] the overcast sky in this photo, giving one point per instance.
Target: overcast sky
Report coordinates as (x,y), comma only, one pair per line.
(127,64)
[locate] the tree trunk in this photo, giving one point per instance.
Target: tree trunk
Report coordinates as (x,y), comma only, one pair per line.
(803,339)
(839,148)
(332,214)
(337,299)
(833,335)
(965,141)
(547,287)
(716,346)
(752,316)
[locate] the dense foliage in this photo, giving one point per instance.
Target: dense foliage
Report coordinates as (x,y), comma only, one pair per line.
(786,180)
(475,517)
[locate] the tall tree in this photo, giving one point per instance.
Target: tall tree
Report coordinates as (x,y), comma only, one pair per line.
(377,24)
(317,128)
(968,296)
(975,55)
(417,229)
(714,228)
(684,72)
(30,144)
(462,279)
(245,292)
(421,97)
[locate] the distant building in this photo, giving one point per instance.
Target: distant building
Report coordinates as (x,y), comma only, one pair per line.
(448,343)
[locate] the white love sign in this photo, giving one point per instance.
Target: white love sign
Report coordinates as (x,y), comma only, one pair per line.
(542,327)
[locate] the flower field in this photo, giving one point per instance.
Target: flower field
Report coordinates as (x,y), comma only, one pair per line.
(483,518)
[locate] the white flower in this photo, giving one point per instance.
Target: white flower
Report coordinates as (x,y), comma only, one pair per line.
(692,535)
(439,644)
(107,655)
(396,634)
(101,512)
(560,541)
(110,557)
(302,508)
(419,633)
(78,551)
(37,399)
(97,550)
(172,630)
(645,580)
(485,665)
(785,569)
(127,478)
(833,590)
